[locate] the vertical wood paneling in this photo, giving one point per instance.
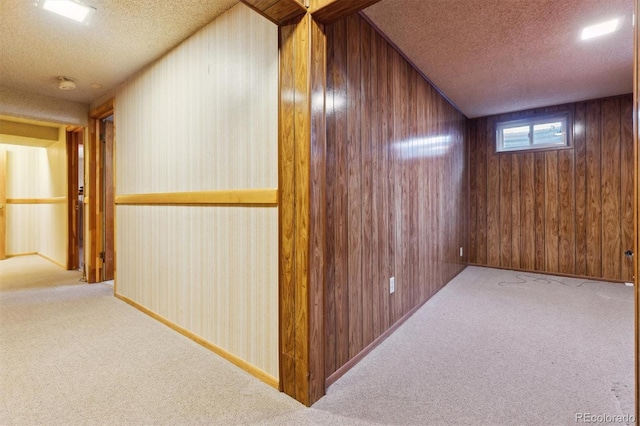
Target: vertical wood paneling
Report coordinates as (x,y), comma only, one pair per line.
(385,132)
(516,203)
(472,146)
(341,211)
(317,214)
(570,209)
(611,214)
(366,155)
(493,201)
(354,186)
(626,183)
(481,179)
(566,213)
(377,196)
(539,211)
(527,212)
(504,222)
(580,174)
(551,211)
(396,189)
(330,241)
(593,182)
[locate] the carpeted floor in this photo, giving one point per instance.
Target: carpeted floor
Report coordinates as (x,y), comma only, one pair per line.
(23,272)
(492,348)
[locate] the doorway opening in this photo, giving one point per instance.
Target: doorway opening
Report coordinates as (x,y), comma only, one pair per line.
(75,179)
(98,194)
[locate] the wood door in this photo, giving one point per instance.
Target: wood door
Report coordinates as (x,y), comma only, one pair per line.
(109,202)
(3,203)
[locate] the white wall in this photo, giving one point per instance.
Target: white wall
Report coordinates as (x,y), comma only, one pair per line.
(53,220)
(37,173)
(204,117)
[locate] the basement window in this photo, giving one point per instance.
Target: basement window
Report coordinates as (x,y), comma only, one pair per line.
(541,132)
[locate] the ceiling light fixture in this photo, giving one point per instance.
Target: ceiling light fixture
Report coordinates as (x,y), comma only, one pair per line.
(68,8)
(599,29)
(66,83)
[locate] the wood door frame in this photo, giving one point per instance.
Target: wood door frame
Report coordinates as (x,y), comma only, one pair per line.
(94,214)
(74,137)
(636,211)
(3,203)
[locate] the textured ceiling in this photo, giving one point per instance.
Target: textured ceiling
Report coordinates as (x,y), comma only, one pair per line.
(122,36)
(494,56)
(487,56)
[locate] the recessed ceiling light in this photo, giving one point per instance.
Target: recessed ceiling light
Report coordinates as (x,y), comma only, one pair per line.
(599,29)
(68,8)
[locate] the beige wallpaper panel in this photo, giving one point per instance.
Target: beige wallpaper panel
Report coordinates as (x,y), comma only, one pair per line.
(204,117)
(211,270)
(27,167)
(52,223)
(22,228)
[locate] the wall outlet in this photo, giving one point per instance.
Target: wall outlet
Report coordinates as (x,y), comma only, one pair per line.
(392,285)
(461,252)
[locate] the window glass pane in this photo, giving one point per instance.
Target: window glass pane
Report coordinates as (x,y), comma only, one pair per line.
(549,133)
(515,137)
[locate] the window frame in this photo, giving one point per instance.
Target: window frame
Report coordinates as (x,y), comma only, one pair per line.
(564,116)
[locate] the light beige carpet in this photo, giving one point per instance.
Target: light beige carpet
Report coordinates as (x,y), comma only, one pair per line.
(33,271)
(492,348)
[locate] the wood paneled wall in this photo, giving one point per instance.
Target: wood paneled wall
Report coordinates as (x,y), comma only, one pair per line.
(396,190)
(204,118)
(567,211)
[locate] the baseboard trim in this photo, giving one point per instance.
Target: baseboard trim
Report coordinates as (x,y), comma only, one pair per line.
(34,253)
(239,362)
(55,262)
(371,346)
(557,274)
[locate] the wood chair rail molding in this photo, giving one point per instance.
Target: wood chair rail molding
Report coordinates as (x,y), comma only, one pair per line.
(49,200)
(240,197)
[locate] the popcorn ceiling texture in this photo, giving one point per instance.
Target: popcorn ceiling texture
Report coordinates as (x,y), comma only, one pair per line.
(495,56)
(122,36)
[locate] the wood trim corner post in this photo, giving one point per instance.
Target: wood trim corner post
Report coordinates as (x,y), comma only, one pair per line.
(301,149)
(302,188)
